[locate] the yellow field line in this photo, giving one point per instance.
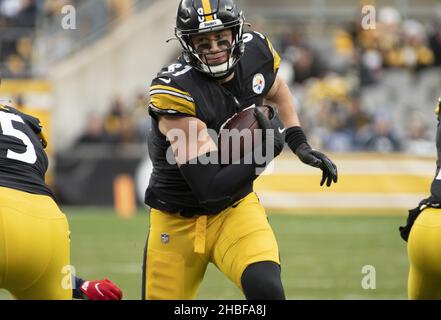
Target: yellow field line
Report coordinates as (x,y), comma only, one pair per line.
(338,211)
(287,155)
(349,183)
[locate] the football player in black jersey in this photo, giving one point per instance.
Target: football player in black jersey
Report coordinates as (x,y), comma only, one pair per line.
(34,233)
(423,233)
(206,212)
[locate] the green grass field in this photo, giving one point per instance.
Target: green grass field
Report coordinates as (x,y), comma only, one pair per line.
(322,255)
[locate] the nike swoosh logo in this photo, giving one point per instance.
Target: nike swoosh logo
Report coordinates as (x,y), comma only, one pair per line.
(165,80)
(98,289)
(282,130)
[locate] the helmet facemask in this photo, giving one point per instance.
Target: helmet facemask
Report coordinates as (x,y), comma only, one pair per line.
(199,60)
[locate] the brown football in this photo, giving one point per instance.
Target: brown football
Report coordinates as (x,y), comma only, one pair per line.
(236,137)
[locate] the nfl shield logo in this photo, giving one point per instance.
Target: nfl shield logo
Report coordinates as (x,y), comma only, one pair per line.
(165,238)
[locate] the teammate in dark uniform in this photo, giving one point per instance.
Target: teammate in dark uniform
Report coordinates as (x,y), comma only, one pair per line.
(34,233)
(423,233)
(201,212)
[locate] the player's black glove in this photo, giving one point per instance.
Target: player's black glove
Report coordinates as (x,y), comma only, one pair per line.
(272,129)
(296,139)
(317,159)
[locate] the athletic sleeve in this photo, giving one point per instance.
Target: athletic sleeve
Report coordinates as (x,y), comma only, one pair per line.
(167,98)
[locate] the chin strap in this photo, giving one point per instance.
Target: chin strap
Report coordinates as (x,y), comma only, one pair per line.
(220,71)
(223,76)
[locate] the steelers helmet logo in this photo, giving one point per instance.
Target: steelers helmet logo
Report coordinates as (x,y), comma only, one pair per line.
(258,83)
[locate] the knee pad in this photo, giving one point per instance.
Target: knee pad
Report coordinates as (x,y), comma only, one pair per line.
(262,281)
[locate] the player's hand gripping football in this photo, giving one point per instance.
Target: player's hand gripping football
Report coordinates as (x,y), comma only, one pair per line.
(101,290)
(317,159)
(272,129)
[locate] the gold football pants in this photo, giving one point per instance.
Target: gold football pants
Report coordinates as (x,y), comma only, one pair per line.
(179,249)
(424,250)
(34,247)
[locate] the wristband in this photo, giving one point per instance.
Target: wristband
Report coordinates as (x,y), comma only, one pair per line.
(295,137)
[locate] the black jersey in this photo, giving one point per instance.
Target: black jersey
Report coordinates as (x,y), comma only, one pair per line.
(23,161)
(181,90)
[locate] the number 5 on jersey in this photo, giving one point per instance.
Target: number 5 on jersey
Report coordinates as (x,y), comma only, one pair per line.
(7,128)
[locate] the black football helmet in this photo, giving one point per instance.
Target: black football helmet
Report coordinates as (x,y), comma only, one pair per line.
(200,16)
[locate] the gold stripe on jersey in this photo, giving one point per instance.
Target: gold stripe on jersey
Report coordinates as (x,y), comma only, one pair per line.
(168,102)
(275,55)
(168,88)
(206,5)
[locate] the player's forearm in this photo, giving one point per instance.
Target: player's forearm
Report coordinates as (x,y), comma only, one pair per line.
(213,184)
(281,96)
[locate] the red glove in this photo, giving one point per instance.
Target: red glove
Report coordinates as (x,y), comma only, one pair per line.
(101,290)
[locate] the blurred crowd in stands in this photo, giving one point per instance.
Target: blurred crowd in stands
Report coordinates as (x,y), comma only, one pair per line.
(19,18)
(94,19)
(334,86)
(17,27)
(123,123)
